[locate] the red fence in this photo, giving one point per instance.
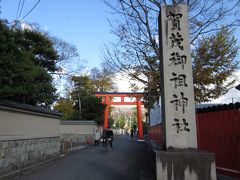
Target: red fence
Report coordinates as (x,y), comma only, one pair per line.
(219,132)
(155,134)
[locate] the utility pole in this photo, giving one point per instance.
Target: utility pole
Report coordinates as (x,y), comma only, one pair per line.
(77,88)
(79,104)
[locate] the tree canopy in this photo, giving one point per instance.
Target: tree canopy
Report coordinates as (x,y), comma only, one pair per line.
(82,98)
(85,86)
(66,107)
(97,80)
(91,107)
(26,57)
(214,62)
(29,59)
(137,51)
(102,79)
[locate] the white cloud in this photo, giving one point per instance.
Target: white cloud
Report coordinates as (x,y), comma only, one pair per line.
(25,25)
(123,83)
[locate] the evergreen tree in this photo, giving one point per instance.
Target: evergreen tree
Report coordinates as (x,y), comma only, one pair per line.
(26,57)
(92,108)
(66,107)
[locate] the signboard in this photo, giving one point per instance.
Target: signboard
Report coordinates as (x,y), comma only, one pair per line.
(178,106)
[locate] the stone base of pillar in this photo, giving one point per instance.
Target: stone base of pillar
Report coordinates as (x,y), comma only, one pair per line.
(185,165)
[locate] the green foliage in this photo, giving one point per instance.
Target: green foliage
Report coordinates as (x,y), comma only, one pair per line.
(98,80)
(83,82)
(92,108)
(25,59)
(85,86)
(134,124)
(214,62)
(66,107)
(110,121)
(40,46)
(117,123)
(121,121)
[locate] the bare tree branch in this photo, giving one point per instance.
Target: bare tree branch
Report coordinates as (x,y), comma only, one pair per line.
(137,49)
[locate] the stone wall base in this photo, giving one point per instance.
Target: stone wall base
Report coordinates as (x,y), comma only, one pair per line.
(185,165)
(17,154)
(77,138)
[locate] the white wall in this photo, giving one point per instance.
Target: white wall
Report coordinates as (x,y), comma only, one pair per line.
(78,127)
(28,135)
(78,131)
(17,123)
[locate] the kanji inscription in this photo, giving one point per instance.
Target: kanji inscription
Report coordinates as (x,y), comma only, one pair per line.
(179,102)
(181,126)
(177,85)
(177,59)
(179,80)
(177,40)
(175,19)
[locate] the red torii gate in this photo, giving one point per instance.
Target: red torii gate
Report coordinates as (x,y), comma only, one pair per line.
(108,102)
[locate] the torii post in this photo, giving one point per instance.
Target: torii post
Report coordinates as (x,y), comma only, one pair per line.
(108,96)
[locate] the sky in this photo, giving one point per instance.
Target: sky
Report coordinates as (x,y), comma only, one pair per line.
(82,23)
(79,22)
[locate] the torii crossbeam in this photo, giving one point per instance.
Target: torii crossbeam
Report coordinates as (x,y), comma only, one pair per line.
(108,96)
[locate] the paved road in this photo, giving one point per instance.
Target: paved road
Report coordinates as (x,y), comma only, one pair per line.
(128,160)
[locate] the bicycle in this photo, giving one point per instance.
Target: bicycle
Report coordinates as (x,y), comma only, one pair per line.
(107,142)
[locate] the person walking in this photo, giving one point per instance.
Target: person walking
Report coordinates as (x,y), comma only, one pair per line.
(131,133)
(96,138)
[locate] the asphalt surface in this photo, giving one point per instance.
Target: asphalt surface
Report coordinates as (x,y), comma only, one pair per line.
(128,160)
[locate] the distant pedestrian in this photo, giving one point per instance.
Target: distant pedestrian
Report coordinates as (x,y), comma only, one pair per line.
(131,133)
(96,138)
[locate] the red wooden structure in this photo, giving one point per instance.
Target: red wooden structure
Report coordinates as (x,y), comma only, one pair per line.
(155,134)
(219,132)
(108,97)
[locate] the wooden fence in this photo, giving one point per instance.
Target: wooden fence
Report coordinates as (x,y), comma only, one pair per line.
(219,132)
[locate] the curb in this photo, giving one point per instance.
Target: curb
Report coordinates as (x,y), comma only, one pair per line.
(22,170)
(34,166)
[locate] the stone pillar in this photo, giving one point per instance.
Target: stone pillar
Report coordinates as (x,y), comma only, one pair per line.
(178,106)
(185,165)
(178,160)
